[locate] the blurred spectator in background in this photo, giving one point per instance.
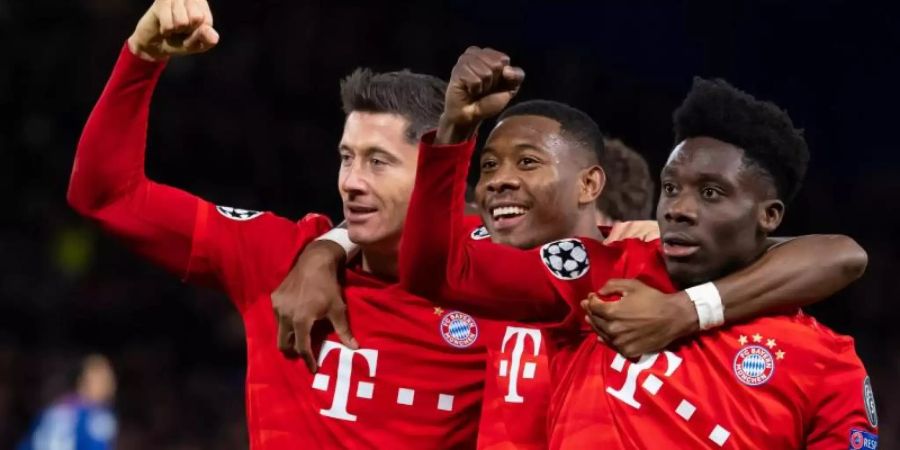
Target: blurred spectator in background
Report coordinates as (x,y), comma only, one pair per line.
(628,193)
(80,420)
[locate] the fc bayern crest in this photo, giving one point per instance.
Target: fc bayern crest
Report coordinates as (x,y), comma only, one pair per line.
(754,365)
(459,329)
(566,259)
(238,213)
(480,233)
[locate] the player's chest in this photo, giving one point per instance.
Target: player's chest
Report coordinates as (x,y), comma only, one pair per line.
(517,387)
(518,375)
(414,359)
(396,390)
(413,330)
(730,390)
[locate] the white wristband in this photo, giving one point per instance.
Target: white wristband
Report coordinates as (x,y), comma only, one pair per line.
(708,302)
(341,237)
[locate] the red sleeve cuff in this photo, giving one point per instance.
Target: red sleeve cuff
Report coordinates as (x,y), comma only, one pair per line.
(427,142)
(131,64)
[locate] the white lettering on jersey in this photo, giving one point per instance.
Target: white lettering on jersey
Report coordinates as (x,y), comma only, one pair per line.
(515,363)
(651,384)
(364,389)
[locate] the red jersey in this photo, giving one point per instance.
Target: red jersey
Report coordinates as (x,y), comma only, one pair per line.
(776,382)
(517,382)
(415,382)
(516,389)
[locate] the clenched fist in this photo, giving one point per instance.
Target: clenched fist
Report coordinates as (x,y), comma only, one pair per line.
(481,84)
(173,28)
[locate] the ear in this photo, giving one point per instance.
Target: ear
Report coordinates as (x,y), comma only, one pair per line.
(591,183)
(770,214)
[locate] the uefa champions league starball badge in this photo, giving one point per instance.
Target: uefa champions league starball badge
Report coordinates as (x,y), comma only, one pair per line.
(754,363)
(459,329)
(480,233)
(566,259)
(238,213)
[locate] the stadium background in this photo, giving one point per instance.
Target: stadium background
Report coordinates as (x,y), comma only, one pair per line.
(254,124)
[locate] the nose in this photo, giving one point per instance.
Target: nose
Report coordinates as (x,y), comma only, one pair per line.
(352,181)
(503,179)
(680,209)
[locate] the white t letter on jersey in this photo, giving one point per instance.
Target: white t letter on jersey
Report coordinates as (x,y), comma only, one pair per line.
(521,334)
(338,409)
(627,391)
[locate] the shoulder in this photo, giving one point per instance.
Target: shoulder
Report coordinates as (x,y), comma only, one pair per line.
(812,352)
(314,224)
(642,260)
(249,250)
(258,226)
(99,424)
(803,332)
(637,248)
(227,223)
(475,228)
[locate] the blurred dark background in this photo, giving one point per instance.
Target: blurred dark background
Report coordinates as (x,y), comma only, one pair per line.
(255,123)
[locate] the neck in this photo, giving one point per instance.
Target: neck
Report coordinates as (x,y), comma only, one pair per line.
(734,266)
(746,259)
(381,263)
(586,225)
(603,220)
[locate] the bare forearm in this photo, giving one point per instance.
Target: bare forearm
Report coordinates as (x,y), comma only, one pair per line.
(802,271)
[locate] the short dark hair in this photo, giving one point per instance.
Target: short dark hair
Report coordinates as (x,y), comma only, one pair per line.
(765,132)
(629,190)
(417,97)
(574,123)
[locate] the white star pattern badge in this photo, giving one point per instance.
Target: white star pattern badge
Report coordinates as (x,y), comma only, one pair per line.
(238,213)
(480,233)
(567,259)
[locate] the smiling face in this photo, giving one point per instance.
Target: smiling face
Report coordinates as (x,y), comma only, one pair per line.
(714,211)
(534,187)
(378,170)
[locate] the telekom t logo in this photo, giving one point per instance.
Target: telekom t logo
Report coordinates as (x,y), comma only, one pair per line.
(651,384)
(528,369)
(364,389)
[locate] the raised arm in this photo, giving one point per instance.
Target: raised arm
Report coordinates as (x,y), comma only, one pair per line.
(108,183)
(439,257)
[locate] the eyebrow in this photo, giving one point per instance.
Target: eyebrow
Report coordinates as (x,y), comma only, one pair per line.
(521,146)
(701,177)
(668,170)
(372,151)
(712,176)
